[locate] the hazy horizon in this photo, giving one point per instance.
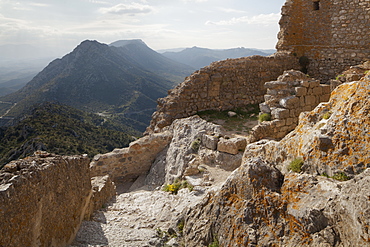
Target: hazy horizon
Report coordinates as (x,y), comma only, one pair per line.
(59,26)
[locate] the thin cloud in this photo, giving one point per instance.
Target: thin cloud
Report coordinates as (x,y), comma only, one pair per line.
(229,10)
(262,19)
(127,9)
(39,4)
(196,1)
(96,1)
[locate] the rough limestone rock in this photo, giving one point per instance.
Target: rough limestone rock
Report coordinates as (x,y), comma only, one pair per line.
(232,145)
(133,161)
(103,189)
(258,206)
(183,150)
(43,200)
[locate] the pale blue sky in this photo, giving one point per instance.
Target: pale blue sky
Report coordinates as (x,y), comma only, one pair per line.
(161,24)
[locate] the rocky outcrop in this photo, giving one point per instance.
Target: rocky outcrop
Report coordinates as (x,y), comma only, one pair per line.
(193,144)
(221,86)
(43,200)
(258,206)
(292,93)
(133,161)
(263,204)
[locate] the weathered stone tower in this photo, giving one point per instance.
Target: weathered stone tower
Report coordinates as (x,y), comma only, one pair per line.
(326,35)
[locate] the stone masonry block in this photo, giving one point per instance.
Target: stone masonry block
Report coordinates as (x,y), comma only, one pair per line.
(300,91)
(289,121)
(279,123)
(289,102)
(317,90)
(210,142)
(231,146)
(305,84)
(279,113)
(324,98)
(264,108)
(314,84)
(325,88)
(310,100)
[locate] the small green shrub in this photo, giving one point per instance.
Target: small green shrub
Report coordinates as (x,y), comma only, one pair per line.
(195,145)
(324,174)
(327,115)
(296,165)
(215,243)
(178,185)
(338,77)
(180,225)
(264,117)
(341,176)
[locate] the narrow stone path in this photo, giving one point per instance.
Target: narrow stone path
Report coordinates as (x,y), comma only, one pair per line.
(131,219)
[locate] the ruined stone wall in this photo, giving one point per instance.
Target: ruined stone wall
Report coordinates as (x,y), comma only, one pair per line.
(332,34)
(288,96)
(131,162)
(223,85)
(43,200)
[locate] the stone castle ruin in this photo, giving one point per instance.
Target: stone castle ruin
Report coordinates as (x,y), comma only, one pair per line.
(327,36)
(318,37)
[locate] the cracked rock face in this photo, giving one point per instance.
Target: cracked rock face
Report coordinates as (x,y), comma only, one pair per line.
(258,206)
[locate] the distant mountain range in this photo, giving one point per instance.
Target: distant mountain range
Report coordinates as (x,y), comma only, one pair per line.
(17,73)
(197,57)
(121,81)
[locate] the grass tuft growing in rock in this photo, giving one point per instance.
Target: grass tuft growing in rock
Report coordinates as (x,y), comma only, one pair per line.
(296,165)
(341,176)
(195,145)
(215,243)
(327,115)
(264,117)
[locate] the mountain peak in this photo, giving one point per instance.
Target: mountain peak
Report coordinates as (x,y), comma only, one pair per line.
(120,43)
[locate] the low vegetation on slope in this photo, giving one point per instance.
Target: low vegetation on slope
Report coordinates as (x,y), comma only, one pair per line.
(62,130)
(239,120)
